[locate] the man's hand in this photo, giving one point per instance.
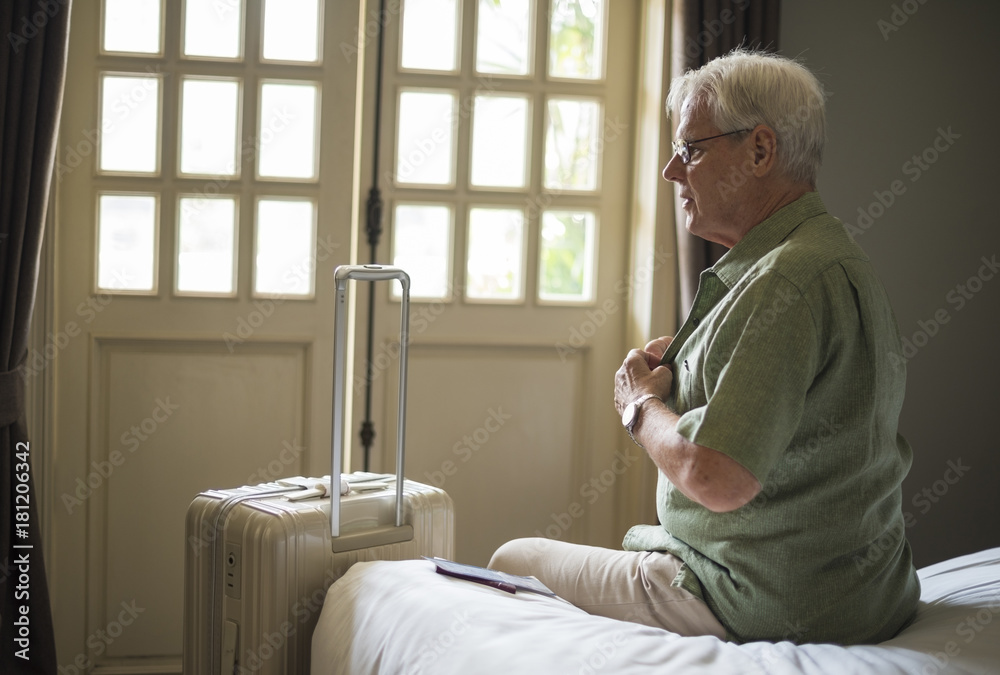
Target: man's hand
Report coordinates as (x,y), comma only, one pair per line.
(655,350)
(641,373)
(714,480)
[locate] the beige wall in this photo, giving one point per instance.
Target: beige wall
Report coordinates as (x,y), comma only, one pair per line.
(902,83)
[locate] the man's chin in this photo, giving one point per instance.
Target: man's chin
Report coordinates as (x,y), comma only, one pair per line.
(697,228)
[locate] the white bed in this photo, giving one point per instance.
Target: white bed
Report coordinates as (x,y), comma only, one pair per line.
(402,617)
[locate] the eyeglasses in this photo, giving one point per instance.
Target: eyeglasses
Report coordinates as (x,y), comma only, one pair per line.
(682,148)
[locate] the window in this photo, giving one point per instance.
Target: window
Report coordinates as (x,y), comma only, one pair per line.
(498,143)
(201,134)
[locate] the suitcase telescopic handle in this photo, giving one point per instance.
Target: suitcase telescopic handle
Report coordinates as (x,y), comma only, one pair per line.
(381,535)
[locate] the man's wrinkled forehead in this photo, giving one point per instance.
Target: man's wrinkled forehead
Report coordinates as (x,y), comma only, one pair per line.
(694,118)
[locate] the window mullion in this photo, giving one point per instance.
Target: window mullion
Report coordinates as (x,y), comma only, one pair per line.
(246,226)
(462,197)
(171,66)
(536,199)
(468,86)
(249,148)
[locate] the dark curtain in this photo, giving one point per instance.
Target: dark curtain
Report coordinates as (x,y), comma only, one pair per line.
(703,30)
(32,71)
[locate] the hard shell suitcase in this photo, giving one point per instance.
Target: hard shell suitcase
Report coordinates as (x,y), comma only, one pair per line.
(259,558)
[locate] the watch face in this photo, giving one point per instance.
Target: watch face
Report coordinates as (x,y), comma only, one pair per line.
(628,415)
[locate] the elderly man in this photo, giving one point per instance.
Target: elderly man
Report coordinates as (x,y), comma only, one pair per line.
(772,414)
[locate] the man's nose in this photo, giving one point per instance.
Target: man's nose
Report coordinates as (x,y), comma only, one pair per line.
(674,170)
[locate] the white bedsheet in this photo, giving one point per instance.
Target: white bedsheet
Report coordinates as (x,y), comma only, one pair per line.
(402,617)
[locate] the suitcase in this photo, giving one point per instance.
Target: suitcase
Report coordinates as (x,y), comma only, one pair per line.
(259,558)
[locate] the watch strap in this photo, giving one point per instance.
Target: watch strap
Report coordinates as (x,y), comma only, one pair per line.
(637,406)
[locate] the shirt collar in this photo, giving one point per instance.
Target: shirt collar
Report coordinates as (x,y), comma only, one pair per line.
(765,236)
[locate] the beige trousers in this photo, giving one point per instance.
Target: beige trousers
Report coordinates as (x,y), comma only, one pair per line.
(625,585)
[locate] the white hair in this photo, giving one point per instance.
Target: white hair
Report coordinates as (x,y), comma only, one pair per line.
(745,88)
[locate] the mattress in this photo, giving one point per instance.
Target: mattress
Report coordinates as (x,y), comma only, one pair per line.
(402,617)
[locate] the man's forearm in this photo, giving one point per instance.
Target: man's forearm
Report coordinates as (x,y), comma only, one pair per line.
(707,476)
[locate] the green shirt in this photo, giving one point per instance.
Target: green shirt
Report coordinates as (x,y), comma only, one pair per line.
(789,363)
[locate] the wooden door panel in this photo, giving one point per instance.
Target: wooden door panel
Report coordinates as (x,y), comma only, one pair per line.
(499,427)
(174,418)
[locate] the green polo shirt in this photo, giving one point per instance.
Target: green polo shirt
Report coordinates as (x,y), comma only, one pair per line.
(789,362)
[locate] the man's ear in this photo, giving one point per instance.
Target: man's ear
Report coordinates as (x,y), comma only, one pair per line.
(764,143)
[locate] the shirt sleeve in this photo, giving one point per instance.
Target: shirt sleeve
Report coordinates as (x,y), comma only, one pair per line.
(745,383)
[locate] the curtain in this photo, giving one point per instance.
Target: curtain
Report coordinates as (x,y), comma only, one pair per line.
(32,71)
(703,30)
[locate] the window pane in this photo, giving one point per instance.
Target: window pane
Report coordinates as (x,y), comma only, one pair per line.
(572,147)
(503,37)
(132,26)
(425,143)
(496,245)
(567,256)
(499,141)
(130,111)
(288,133)
(206,244)
(209,115)
(291,30)
(126,243)
(429,34)
(576,39)
(213,28)
(421,245)
(286,258)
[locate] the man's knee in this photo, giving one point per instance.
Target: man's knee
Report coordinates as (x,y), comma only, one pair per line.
(519,555)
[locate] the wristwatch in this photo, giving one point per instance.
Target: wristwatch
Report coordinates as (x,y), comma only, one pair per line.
(630,416)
